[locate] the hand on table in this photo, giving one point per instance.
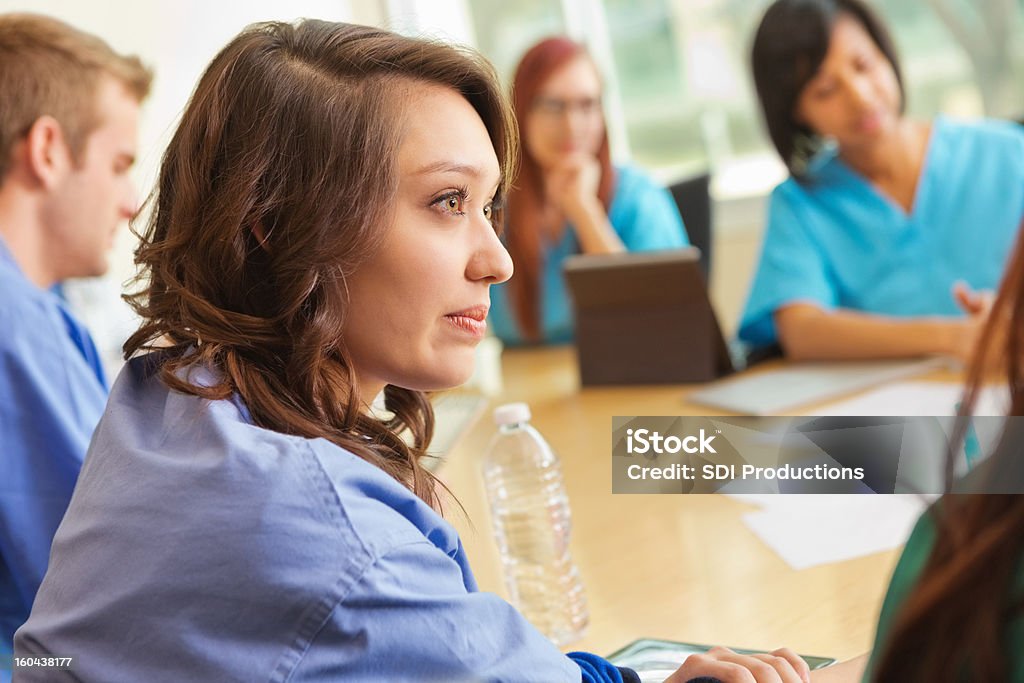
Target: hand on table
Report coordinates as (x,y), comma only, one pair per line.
(721,663)
(977,304)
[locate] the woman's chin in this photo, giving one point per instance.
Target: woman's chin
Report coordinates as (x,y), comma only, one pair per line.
(442,378)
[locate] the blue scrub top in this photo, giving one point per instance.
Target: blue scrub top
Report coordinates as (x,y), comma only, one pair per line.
(837,242)
(52,393)
(646,219)
(200,547)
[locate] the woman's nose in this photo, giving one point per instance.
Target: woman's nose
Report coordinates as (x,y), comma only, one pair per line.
(490,261)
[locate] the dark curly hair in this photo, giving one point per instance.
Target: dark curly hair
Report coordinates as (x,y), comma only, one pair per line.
(274,189)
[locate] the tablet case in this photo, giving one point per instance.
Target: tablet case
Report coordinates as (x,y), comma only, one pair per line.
(644,318)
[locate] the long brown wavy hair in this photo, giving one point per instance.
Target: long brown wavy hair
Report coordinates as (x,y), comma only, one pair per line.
(275,188)
(526,198)
(954,624)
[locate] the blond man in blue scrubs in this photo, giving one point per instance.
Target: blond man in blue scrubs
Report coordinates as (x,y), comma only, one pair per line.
(68,127)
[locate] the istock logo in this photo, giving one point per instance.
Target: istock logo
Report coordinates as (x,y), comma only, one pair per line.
(644,441)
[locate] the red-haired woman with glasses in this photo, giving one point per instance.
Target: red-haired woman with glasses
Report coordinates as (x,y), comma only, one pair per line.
(568,197)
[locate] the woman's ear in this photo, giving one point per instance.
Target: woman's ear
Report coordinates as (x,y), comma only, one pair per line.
(47,156)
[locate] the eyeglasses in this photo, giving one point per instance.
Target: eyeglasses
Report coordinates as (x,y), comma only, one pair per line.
(554,107)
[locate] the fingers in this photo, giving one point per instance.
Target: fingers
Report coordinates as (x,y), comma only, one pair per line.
(709,666)
(987,298)
(796,661)
(574,162)
(765,668)
(972,302)
(782,666)
(964,296)
(573,182)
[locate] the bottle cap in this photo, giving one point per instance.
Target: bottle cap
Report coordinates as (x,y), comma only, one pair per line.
(511,413)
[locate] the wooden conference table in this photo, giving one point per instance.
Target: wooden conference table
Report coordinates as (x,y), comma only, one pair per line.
(680,567)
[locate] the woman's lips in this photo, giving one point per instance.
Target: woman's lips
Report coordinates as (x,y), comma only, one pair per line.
(472,321)
(869,123)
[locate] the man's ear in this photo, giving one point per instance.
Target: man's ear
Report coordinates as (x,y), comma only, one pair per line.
(47,155)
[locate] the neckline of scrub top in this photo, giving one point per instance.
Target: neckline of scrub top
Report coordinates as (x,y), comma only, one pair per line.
(206,376)
(922,188)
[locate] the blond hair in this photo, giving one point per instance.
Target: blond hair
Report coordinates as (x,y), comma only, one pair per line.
(50,68)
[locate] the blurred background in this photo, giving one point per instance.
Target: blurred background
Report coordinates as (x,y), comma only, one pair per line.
(679,96)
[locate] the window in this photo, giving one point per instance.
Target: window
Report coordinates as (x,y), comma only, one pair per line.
(680,93)
(508,29)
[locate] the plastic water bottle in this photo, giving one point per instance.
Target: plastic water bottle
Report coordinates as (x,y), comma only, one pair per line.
(530,511)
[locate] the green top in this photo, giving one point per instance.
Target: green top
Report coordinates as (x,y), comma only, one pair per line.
(907,572)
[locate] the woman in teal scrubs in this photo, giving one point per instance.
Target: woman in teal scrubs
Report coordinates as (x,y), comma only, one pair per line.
(889,230)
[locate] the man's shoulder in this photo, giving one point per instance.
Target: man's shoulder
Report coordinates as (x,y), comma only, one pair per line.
(27,314)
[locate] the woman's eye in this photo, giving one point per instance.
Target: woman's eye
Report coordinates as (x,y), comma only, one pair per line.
(452,204)
(823,92)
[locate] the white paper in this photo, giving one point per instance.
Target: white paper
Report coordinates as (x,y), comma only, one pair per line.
(917,399)
(811,530)
(778,391)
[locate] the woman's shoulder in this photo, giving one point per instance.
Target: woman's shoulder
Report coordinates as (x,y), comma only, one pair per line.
(980,136)
(180,440)
(911,563)
(146,416)
(381,511)
(792,192)
(631,179)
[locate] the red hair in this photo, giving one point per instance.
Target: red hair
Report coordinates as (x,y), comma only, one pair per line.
(526,198)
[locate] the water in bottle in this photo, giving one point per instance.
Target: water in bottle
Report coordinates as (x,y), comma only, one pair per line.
(530,511)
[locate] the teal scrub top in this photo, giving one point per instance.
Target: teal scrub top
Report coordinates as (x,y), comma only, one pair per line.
(837,242)
(644,216)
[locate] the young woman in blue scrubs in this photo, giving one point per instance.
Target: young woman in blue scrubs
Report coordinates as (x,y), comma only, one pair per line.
(242,515)
(887,236)
(568,198)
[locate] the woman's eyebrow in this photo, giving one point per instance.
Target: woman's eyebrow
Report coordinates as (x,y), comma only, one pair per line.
(451,167)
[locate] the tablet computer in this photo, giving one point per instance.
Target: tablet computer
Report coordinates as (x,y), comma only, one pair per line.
(655,660)
(644,318)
